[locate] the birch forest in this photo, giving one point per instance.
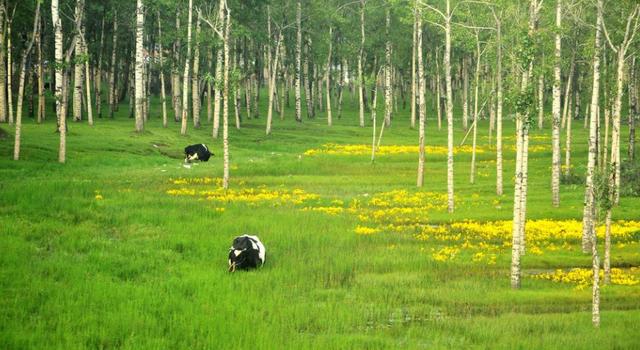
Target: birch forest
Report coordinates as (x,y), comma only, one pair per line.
(423,173)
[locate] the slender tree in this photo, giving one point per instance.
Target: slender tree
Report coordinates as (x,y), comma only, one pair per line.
(195,79)
(185,78)
(23,68)
(3,72)
(62,125)
(555,125)
(140,58)
(421,92)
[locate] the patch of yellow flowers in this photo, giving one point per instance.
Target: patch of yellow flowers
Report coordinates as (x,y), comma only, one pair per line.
(252,196)
(345,150)
(583,278)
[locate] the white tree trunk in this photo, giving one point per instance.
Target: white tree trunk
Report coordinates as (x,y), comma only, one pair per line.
(328,78)
(388,89)
(413,73)
(10,69)
(499,183)
(475,110)
(23,68)
(225,97)
(195,80)
(185,77)
(62,125)
(272,85)
(555,133)
(588,227)
(540,101)
(78,65)
(361,85)
(112,74)
(465,94)
(3,72)
(163,94)
(217,93)
(421,92)
(140,57)
(298,62)
(447,69)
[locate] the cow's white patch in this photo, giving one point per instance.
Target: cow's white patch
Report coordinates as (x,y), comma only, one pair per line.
(237,252)
(260,247)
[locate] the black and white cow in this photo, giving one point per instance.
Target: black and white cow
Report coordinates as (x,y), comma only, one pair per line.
(245,253)
(197,152)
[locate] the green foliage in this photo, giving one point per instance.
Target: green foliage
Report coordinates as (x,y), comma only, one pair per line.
(630,178)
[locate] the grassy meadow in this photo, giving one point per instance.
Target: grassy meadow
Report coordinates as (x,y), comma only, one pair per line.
(124,248)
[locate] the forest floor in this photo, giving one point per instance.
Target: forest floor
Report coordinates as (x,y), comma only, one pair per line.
(123,247)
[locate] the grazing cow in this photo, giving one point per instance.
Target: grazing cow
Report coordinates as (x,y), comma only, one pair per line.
(197,152)
(245,253)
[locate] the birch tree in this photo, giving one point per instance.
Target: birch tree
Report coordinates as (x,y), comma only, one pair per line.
(555,125)
(195,79)
(361,87)
(140,58)
(163,94)
(620,50)
(446,17)
(23,68)
(3,72)
(388,89)
(522,144)
(78,64)
(113,100)
(421,92)
(185,77)
(298,62)
(589,208)
(62,125)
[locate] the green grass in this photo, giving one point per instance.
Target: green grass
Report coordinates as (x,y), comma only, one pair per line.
(141,269)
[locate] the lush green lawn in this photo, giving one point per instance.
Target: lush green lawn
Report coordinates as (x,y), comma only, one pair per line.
(96,254)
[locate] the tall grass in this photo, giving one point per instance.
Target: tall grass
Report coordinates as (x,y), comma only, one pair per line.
(140,269)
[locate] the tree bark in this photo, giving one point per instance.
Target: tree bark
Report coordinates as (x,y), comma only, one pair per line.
(163,93)
(328,78)
(421,92)
(62,125)
(185,77)
(413,76)
(540,101)
(475,110)
(361,87)
(3,72)
(588,226)
(388,89)
(555,132)
(447,69)
(499,183)
(78,75)
(113,99)
(272,84)
(98,72)
(140,57)
(633,111)
(225,97)
(10,67)
(217,93)
(465,93)
(175,72)
(23,68)
(298,62)
(195,80)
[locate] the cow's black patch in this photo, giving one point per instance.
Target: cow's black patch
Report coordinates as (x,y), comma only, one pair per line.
(246,252)
(197,152)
